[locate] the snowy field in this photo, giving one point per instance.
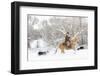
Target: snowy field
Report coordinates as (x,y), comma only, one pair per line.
(69,55)
(51,53)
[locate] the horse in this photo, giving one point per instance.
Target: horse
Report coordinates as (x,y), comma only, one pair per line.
(72,44)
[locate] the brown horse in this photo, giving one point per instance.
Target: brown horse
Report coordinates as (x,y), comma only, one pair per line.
(69,45)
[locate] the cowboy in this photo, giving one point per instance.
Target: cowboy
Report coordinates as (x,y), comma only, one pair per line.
(67,39)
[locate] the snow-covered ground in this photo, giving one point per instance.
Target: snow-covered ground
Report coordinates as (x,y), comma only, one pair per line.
(51,55)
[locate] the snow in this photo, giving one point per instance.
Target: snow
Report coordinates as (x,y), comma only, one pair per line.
(40,43)
(33,44)
(51,55)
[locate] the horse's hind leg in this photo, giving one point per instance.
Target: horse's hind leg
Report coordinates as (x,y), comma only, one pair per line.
(62,51)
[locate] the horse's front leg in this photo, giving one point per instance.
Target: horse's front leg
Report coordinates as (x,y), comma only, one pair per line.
(75,49)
